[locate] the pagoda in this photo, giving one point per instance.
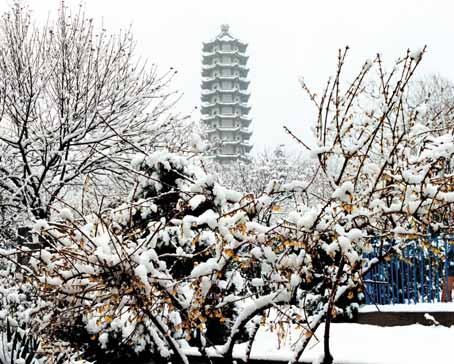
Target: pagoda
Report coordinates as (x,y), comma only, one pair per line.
(225,97)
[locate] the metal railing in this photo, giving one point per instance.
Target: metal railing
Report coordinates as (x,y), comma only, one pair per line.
(419,274)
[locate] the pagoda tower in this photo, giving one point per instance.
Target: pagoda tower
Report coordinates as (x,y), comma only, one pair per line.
(225,97)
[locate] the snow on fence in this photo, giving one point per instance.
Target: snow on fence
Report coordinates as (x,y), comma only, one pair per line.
(420,274)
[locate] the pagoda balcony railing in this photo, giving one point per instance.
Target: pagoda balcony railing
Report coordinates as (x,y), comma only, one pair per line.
(224,78)
(235,90)
(231,142)
(209,105)
(226,116)
(227,65)
(241,98)
(228,128)
(221,52)
(210,72)
(241,142)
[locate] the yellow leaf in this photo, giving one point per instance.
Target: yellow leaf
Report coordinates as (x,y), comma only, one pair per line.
(350,295)
(229,253)
(276,208)
(108,319)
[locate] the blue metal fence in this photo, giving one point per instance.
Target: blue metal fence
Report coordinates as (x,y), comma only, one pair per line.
(419,274)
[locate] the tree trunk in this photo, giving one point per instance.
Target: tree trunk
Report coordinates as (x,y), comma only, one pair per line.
(328,358)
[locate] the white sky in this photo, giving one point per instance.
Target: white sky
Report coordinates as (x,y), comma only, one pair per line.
(287,39)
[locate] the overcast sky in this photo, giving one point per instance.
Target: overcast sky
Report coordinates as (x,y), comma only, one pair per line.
(287,40)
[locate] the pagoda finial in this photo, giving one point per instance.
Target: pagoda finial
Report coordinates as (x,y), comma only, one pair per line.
(224,28)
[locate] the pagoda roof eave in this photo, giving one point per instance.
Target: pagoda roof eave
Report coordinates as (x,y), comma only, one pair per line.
(243,118)
(224,65)
(226,91)
(224,78)
(240,129)
(224,53)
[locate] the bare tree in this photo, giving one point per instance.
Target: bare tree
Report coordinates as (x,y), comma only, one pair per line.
(433,96)
(75,104)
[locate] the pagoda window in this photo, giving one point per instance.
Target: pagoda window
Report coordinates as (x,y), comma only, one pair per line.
(228,123)
(226,47)
(226,110)
(226,72)
(225,59)
(226,98)
(227,85)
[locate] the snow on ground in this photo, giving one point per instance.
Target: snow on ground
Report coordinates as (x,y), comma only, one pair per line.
(363,344)
(419,307)
(367,344)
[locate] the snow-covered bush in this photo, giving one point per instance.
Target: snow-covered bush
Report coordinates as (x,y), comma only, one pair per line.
(185,261)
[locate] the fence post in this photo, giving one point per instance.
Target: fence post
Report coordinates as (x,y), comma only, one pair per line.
(402,278)
(421,272)
(437,270)
(408,267)
(391,274)
(415,283)
(430,284)
(446,271)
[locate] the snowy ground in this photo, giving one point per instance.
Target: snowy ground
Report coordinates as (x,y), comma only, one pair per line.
(364,344)
(419,307)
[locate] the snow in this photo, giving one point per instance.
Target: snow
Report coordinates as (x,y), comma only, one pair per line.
(39,226)
(344,192)
(196,201)
(430,318)
(196,143)
(354,343)
(205,268)
(103,340)
(358,344)
(66,214)
(419,307)
(416,54)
